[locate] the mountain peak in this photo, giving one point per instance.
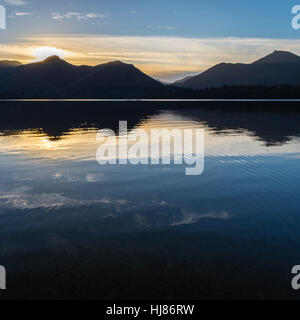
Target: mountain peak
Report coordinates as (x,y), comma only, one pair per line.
(279,56)
(52,59)
(116,63)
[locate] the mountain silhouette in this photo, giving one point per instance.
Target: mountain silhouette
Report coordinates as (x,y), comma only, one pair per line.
(278,68)
(55,77)
(275,76)
(114,77)
(279,57)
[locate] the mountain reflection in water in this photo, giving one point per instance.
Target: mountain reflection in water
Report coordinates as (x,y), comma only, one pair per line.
(75,229)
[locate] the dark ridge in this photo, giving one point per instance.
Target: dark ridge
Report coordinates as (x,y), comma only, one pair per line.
(279,57)
(278,68)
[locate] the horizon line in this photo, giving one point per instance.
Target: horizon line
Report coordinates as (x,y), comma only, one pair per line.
(149,100)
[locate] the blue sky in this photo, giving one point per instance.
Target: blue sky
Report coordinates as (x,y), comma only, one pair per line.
(83,28)
(192,18)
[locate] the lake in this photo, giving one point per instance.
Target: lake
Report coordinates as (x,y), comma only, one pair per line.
(73,229)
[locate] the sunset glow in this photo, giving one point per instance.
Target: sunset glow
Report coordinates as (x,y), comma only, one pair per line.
(178,42)
(42,53)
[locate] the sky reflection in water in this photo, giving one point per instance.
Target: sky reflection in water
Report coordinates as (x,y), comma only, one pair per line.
(54,197)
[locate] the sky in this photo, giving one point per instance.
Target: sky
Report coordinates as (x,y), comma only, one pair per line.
(166,39)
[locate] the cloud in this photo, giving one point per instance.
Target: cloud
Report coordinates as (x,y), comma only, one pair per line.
(190,217)
(69,177)
(25,199)
(78,15)
(22,198)
(150,214)
(161,27)
(21,14)
(16,2)
(96,15)
(94,177)
(56,16)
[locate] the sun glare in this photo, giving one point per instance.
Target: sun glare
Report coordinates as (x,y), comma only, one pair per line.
(42,53)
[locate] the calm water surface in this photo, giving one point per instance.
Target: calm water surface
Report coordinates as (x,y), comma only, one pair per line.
(70,228)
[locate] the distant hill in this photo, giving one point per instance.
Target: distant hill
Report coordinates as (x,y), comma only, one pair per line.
(55,77)
(278,68)
(181,81)
(9,63)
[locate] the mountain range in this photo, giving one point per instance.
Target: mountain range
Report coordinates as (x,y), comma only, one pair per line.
(56,78)
(277,68)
